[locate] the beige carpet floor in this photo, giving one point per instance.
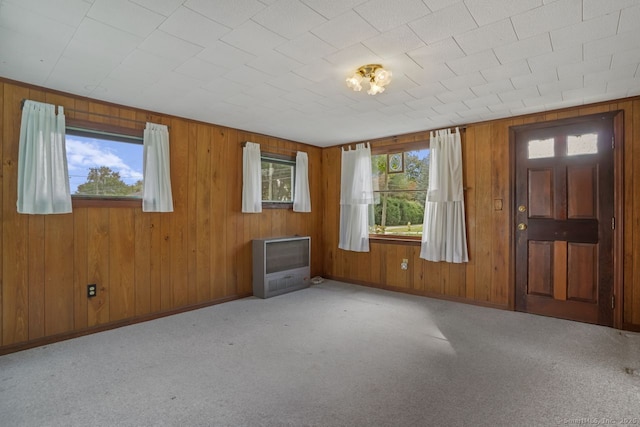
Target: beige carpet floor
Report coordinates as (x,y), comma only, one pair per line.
(332,355)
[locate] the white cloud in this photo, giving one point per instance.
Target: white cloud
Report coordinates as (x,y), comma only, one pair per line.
(85,153)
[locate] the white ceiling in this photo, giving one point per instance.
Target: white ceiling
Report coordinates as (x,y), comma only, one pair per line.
(278,67)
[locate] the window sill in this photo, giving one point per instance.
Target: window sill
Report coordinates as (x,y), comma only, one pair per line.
(105,202)
(395,240)
(273,205)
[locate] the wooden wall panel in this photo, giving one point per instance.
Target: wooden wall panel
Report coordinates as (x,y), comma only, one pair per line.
(145,264)
(487,278)
(201,253)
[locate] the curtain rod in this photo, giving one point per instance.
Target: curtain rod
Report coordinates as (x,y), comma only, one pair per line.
(108,116)
(272,147)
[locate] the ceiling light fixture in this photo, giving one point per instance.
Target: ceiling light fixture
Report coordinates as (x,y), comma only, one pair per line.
(377,76)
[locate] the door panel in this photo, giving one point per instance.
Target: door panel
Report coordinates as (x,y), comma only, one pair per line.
(564,210)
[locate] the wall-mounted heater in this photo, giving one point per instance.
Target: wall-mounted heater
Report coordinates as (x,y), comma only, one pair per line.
(281,265)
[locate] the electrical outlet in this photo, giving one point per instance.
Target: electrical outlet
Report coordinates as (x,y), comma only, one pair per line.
(405,264)
(92,290)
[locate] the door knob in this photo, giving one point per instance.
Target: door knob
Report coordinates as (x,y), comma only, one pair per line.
(522,226)
(522,208)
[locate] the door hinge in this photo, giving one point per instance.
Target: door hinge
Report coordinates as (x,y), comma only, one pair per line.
(613,143)
(613,302)
(613,222)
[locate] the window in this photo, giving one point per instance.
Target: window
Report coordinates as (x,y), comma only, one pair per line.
(278,176)
(541,148)
(104,165)
(582,144)
(400,183)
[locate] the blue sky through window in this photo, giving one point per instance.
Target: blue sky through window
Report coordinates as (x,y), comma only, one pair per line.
(84,153)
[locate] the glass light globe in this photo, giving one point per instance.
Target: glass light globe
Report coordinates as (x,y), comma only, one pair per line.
(353,82)
(382,76)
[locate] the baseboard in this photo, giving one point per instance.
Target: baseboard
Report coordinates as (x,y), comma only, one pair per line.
(25,345)
(423,293)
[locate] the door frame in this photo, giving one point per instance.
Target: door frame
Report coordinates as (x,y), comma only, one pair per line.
(618,203)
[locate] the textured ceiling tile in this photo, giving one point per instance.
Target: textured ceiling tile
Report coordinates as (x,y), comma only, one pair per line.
(352,57)
(559,86)
(289,18)
(523,49)
(100,37)
(70,12)
(146,61)
(597,28)
(456,95)
(441,51)
(246,75)
(193,27)
(609,45)
(274,64)
(254,38)
(435,5)
(385,15)
(318,71)
(229,13)
(610,75)
(444,23)
(548,17)
(467,80)
(25,58)
(163,7)
(487,11)
(631,56)
(481,101)
(548,75)
(225,55)
(332,8)
(578,69)
(435,73)
(507,71)
(345,30)
(388,44)
(592,8)
(517,94)
(33,24)
(629,19)
(427,90)
(200,69)
(498,86)
(306,48)
(494,35)
(126,16)
(476,62)
(167,46)
(556,58)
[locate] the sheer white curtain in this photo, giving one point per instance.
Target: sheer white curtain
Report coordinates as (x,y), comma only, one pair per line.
(444,235)
(43,178)
(356,194)
(156,196)
(301,195)
(251,178)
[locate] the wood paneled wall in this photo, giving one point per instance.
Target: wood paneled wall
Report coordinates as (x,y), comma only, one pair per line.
(147,264)
(144,264)
(487,278)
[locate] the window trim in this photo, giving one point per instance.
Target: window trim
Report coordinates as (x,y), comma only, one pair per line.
(422,144)
(288,159)
(90,129)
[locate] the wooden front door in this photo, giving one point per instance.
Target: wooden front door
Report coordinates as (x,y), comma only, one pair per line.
(564,219)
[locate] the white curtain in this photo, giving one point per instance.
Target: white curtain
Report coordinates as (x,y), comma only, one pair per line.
(43,178)
(444,235)
(356,194)
(156,196)
(301,195)
(251,178)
